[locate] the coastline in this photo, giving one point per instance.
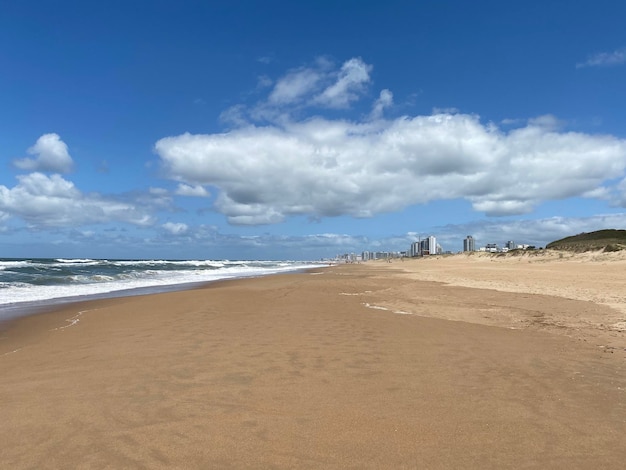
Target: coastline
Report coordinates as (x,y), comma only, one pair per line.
(309,370)
(15,310)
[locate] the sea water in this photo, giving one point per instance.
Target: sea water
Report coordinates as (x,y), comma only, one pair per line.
(29,283)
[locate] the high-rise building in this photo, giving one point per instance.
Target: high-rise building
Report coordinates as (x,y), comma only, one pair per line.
(510,245)
(432,245)
(469,244)
(427,246)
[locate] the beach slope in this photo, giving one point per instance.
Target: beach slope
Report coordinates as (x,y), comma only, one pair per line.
(354,366)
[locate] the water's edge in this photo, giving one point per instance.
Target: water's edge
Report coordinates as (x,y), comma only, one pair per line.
(11,312)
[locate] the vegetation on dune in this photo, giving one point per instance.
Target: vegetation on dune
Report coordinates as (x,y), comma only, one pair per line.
(607,240)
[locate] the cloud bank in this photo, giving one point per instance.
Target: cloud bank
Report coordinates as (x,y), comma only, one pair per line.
(52,201)
(276,163)
(294,153)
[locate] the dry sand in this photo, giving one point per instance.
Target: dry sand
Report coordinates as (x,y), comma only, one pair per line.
(595,278)
(355,366)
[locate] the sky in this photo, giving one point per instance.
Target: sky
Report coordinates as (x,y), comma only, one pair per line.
(302,130)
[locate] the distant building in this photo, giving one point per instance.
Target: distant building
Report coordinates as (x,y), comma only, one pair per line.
(413,249)
(510,245)
(432,246)
(427,246)
(469,244)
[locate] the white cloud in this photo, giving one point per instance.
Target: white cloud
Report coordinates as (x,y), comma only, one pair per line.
(294,86)
(51,154)
(52,201)
(604,59)
(323,168)
(385,100)
(193,191)
(352,77)
(235,115)
(512,122)
(318,85)
(547,122)
(175,228)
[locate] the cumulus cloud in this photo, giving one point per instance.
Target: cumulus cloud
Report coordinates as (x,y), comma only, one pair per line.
(604,59)
(52,201)
(175,228)
(193,191)
(51,154)
(322,168)
(282,158)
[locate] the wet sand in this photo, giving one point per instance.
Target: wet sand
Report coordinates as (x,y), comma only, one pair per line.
(355,366)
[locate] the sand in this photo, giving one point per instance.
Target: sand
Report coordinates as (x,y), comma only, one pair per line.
(595,278)
(438,363)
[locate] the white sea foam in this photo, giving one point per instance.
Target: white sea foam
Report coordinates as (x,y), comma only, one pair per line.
(72,321)
(375,307)
(148,275)
(12,264)
(77,260)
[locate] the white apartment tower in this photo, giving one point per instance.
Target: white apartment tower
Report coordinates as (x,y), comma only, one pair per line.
(432,245)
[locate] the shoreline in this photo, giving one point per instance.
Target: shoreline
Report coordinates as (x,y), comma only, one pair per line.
(309,370)
(13,311)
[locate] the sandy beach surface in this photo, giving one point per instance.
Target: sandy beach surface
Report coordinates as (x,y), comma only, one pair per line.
(441,363)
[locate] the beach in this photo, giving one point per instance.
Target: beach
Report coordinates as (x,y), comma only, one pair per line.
(466,361)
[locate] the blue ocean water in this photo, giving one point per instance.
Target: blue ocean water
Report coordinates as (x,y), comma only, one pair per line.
(38,281)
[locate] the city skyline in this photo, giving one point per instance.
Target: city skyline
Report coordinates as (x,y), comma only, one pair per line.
(422,248)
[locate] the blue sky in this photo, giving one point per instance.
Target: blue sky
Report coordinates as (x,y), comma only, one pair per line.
(301,130)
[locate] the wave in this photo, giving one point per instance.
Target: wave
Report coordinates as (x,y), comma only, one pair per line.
(77,260)
(46,279)
(13,264)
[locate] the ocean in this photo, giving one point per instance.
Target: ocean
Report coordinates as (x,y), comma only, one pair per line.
(28,284)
